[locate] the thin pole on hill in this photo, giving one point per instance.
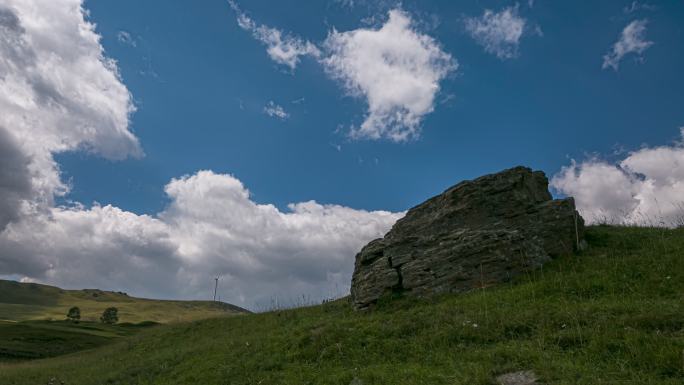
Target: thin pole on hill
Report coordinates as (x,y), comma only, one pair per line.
(215,287)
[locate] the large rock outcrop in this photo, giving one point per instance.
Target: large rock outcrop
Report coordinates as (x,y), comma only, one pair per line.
(475,234)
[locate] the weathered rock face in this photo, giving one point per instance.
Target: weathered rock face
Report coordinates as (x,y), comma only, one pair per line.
(473,235)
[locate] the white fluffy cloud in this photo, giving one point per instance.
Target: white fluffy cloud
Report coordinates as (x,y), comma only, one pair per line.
(101,247)
(59,93)
(261,251)
(281,47)
(646,187)
(211,227)
(498,32)
(395,68)
(275,111)
(632,40)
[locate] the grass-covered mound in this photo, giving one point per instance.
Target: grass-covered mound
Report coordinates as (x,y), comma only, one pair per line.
(612,315)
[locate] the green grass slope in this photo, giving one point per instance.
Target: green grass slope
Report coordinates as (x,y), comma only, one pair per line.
(41,339)
(612,315)
(32,301)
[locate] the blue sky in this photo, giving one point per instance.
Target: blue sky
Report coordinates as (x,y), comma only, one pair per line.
(200,84)
(148,147)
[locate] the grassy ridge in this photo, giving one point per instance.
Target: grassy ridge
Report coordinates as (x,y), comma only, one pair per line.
(31,301)
(613,315)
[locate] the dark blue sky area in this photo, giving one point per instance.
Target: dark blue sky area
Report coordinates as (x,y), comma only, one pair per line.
(200,84)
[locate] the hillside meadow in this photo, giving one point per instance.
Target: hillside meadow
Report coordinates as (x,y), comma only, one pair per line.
(613,314)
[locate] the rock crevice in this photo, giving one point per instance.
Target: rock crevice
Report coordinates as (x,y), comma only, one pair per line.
(475,234)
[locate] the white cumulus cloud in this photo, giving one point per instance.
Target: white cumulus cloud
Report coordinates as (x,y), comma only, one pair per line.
(498,32)
(58,92)
(395,68)
(262,251)
(632,40)
(646,187)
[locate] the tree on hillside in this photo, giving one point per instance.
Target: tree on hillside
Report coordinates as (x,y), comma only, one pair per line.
(110,315)
(74,314)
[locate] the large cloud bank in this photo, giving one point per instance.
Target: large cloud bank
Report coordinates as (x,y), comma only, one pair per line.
(644,188)
(210,228)
(58,92)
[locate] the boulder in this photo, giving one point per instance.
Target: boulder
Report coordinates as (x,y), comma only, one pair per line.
(525,377)
(475,234)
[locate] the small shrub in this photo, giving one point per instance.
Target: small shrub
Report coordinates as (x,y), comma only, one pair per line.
(74,314)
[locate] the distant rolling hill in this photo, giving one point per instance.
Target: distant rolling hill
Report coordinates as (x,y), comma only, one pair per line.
(32,301)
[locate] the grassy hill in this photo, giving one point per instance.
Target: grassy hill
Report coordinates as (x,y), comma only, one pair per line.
(32,301)
(612,315)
